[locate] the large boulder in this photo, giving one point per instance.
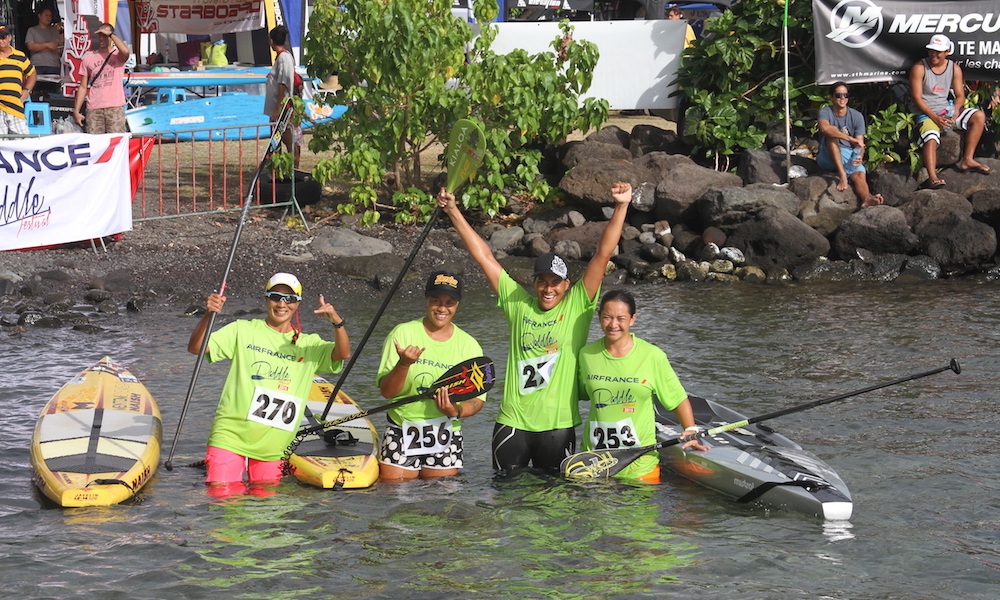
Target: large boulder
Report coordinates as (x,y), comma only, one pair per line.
(661,163)
(760,166)
(879,229)
(577,153)
(927,202)
(650,138)
(586,235)
(986,207)
(727,208)
(343,242)
(611,134)
(894,182)
(968,182)
(822,206)
(591,182)
(775,239)
(955,240)
(677,193)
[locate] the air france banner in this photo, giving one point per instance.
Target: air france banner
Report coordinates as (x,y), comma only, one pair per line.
(57,189)
(199,17)
(859,41)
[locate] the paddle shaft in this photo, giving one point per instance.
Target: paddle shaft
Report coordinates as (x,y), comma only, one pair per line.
(279,128)
(381,309)
(613,460)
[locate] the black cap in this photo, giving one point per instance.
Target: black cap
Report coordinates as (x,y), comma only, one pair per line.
(5,30)
(444,282)
(551,263)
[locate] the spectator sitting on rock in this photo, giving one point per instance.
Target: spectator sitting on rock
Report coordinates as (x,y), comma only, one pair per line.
(932,80)
(842,144)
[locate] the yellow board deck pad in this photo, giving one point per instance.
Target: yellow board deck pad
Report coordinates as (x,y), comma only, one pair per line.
(97,440)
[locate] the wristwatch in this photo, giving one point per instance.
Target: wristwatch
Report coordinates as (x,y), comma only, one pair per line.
(338,325)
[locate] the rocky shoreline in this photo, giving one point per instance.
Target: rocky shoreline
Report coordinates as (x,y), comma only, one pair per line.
(687,222)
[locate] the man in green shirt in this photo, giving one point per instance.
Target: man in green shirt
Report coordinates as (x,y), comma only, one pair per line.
(539,411)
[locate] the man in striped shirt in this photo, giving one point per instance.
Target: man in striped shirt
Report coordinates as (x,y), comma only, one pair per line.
(17,79)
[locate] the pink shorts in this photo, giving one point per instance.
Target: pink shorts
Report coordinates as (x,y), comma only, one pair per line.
(225,466)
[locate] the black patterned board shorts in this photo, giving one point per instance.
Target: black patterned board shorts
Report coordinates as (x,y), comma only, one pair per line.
(391,452)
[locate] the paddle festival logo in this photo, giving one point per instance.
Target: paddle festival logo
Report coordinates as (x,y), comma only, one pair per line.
(24,204)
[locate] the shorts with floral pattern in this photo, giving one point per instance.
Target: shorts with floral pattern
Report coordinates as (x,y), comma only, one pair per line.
(393,453)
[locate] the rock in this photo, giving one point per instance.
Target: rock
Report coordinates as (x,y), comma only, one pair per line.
(880,229)
(709,252)
(644,197)
(759,166)
(653,252)
(824,270)
(775,239)
(87,328)
(32,288)
(650,138)
(367,268)
(610,134)
(569,249)
(107,307)
(58,298)
(669,271)
(29,317)
(579,153)
(630,233)
(507,238)
(677,193)
(340,242)
(728,208)
(722,266)
(733,255)
(967,183)
(722,277)
(821,205)
(894,182)
(927,202)
(48,322)
(751,274)
(661,163)
(689,270)
(586,236)
(590,182)
(536,244)
(95,295)
(919,268)
(955,240)
(985,208)
(135,305)
(55,275)
(713,235)
(533,225)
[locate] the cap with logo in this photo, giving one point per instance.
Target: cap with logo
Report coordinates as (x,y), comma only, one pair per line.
(444,282)
(941,43)
(5,31)
(551,263)
(284,279)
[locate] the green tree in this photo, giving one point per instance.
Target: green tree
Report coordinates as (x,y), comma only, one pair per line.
(408,72)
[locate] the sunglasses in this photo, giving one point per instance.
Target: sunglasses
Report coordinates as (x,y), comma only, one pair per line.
(841,95)
(278,297)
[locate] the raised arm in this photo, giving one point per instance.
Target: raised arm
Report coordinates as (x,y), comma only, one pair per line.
(622,194)
(392,382)
(342,350)
(477,246)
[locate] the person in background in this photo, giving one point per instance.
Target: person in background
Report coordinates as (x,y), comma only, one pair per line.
(414,355)
(17,79)
(101,75)
(45,42)
(622,376)
(842,144)
(267,386)
(539,411)
(932,81)
(674,14)
(280,85)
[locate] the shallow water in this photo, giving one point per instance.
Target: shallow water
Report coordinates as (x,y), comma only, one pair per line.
(919,457)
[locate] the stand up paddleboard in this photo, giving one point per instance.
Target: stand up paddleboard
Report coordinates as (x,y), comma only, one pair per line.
(345,456)
(97,441)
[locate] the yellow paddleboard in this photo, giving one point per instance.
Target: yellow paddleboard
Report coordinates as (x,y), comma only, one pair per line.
(347,455)
(97,441)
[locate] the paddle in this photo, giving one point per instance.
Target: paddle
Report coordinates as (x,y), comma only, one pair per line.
(272,145)
(594,464)
(468,379)
(463,157)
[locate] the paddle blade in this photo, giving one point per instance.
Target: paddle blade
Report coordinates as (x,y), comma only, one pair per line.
(468,379)
(464,154)
(597,464)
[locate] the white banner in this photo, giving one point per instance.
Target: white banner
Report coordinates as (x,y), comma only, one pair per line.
(199,17)
(57,189)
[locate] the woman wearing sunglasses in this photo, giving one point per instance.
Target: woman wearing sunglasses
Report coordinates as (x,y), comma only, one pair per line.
(267,385)
(842,145)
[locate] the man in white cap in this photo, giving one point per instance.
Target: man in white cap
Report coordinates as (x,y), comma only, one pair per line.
(267,385)
(932,80)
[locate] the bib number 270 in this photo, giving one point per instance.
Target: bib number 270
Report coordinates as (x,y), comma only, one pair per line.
(274,409)
(535,373)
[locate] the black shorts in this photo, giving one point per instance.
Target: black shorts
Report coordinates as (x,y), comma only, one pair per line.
(515,449)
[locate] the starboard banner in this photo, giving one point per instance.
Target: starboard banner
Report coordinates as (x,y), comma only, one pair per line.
(57,189)
(860,41)
(199,17)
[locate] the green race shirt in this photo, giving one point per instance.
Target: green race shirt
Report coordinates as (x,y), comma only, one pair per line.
(436,358)
(620,391)
(540,392)
(267,386)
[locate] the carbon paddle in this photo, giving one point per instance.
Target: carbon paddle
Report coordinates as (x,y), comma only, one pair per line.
(463,157)
(595,464)
(272,145)
(468,379)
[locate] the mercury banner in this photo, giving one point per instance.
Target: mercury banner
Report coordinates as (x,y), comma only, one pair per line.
(57,189)
(860,41)
(199,17)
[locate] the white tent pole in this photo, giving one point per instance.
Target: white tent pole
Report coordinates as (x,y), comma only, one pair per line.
(788,116)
